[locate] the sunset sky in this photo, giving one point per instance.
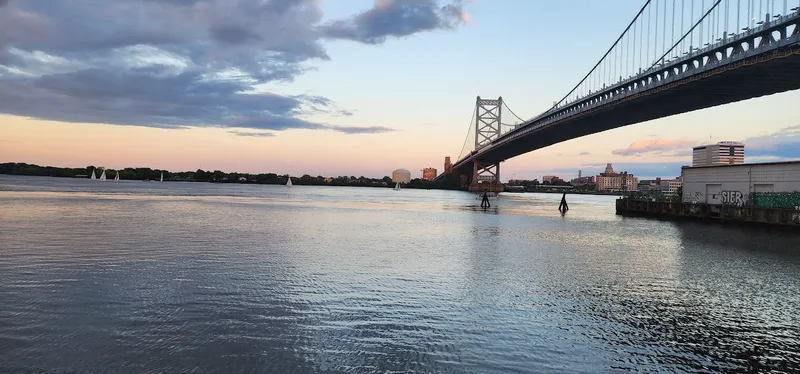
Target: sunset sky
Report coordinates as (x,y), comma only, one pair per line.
(336,87)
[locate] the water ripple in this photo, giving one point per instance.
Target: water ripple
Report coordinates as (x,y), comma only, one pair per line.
(189,277)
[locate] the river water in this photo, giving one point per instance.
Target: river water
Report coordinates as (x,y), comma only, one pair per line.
(148,277)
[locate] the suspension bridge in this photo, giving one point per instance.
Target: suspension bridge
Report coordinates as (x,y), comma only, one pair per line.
(674,57)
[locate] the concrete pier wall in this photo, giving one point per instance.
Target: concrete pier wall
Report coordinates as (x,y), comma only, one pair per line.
(744,214)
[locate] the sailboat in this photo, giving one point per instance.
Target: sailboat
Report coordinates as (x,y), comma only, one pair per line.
(289,182)
(103,176)
(93,177)
(116,177)
(162,177)
(397,186)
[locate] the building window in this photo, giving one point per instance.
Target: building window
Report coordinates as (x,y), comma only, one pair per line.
(730,151)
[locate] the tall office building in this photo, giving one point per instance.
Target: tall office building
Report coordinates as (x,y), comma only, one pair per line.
(448,167)
(429,174)
(722,153)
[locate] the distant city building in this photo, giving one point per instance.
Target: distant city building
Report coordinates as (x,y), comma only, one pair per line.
(552,179)
(401,176)
(646,185)
(519,182)
(583,181)
(619,182)
(611,181)
(429,174)
(448,167)
(670,187)
(722,153)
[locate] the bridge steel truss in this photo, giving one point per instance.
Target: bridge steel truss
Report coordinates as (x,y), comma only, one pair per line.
(773,39)
(488,127)
(487,121)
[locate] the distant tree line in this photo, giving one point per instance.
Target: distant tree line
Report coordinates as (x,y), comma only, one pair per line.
(216,176)
(446,182)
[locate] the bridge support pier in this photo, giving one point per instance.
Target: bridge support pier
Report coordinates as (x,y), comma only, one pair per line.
(485,177)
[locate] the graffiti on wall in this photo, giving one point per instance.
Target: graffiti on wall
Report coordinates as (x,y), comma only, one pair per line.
(732,198)
(785,200)
(695,197)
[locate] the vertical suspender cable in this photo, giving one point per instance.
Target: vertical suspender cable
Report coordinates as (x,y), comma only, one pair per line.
(738,15)
(664,33)
(655,34)
(604,56)
(691,36)
(673,23)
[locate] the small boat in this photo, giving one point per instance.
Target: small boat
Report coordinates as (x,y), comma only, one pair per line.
(93,177)
(397,186)
(162,177)
(116,177)
(288,181)
(103,176)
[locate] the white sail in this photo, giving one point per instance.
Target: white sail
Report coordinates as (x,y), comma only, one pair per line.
(162,176)
(93,177)
(289,182)
(103,176)
(116,177)
(397,186)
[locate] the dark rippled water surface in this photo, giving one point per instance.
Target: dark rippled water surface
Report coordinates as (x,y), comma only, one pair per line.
(147,277)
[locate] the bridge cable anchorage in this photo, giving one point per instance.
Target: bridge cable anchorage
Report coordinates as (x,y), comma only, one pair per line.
(688,32)
(602,58)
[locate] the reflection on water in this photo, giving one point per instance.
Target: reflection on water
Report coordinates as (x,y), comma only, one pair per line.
(192,277)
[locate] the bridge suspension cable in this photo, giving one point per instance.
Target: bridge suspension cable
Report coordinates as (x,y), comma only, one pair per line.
(658,34)
(611,49)
(468,145)
(512,112)
(687,33)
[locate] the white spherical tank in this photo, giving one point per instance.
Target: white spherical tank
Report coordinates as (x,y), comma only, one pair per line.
(401,176)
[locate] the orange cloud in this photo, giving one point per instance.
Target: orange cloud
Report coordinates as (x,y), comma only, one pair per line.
(654,145)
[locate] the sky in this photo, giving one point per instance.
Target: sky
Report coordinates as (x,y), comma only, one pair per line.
(328,87)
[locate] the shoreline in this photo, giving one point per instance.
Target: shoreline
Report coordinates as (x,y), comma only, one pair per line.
(296,181)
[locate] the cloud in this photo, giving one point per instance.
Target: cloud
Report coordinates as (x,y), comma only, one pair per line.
(584,154)
(783,144)
(396,18)
(658,146)
(253,134)
(361,130)
(185,63)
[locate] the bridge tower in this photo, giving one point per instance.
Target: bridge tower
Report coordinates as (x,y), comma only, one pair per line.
(488,114)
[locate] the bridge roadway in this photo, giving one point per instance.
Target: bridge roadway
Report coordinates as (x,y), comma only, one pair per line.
(719,74)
